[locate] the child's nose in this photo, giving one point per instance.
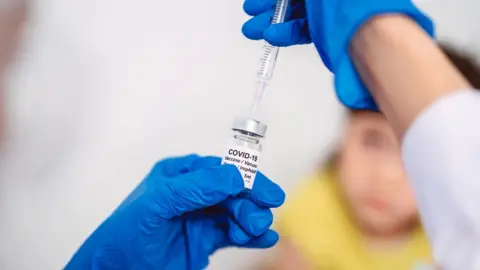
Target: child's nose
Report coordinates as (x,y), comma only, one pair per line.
(389,176)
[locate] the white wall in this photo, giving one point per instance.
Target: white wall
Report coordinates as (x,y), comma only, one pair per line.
(107,87)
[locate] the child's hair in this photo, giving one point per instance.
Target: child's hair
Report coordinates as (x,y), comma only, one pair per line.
(464,61)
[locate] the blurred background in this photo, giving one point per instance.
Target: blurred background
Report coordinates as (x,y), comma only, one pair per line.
(101,89)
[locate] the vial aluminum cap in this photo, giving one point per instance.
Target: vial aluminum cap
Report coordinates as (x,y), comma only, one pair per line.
(250,125)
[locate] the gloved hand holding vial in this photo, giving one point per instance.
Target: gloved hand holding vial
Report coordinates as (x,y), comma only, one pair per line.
(245,149)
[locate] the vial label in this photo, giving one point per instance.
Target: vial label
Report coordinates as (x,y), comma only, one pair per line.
(246,160)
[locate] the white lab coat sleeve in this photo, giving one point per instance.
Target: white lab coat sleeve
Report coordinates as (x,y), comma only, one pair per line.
(441,152)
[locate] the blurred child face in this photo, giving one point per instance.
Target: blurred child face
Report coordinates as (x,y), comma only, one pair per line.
(372,176)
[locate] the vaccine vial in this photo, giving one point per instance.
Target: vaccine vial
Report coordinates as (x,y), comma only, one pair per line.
(245,148)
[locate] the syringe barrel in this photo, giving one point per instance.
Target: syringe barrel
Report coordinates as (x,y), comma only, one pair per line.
(267,62)
(270,52)
(280,11)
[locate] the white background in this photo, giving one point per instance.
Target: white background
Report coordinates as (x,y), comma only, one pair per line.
(105,88)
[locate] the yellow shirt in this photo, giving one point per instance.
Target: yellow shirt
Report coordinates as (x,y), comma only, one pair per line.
(315,220)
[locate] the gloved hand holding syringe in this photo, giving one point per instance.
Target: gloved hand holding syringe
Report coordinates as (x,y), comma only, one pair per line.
(245,148)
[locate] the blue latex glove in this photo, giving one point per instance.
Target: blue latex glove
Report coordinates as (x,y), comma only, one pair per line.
(330,25)
(183,211)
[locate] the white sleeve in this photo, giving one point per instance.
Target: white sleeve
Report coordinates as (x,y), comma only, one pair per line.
(441,152)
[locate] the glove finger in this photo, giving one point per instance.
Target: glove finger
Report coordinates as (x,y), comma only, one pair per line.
(205,163)
(236,234)
(215,236)
(254,28)
(266,240)
(251,218)
(294,32)
(197,190)
(175,166)
(256,7)
(266,193)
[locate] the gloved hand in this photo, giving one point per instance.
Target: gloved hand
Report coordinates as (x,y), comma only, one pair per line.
(330,25)
(184,210)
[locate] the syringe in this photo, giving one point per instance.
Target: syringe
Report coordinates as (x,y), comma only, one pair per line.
(269,57)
